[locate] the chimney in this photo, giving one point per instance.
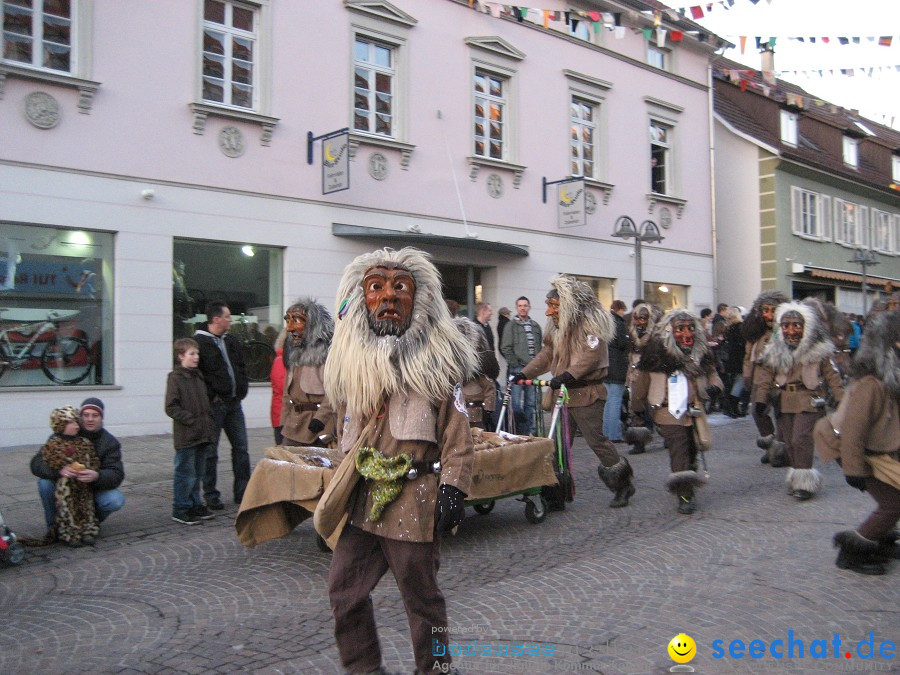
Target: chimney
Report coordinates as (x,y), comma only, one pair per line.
(767,61)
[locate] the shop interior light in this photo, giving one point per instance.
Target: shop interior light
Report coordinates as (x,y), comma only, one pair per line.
(78,238)
(663,289)
(247,250)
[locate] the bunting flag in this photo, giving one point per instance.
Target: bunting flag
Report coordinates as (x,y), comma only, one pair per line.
(885,40)
(743,39)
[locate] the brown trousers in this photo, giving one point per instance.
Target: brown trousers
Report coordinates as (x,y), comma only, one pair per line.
(682,453)
(360,560)
(797,429)
(589,419)
(883,519)
(764,424)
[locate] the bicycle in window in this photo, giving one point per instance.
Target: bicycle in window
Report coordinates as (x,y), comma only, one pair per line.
(64,359)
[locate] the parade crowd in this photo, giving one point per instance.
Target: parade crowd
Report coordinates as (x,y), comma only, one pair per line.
(396,381)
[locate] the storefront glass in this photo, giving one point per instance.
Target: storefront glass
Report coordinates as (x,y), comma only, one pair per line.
(603,288)
(245,276)
(56,310)
(665,296)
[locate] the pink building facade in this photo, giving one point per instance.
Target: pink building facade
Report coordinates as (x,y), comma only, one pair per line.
(153,156)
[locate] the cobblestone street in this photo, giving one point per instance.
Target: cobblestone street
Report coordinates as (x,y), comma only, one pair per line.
(591,589)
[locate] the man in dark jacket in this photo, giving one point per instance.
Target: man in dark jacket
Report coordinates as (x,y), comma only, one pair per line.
(222,365)
(615,376)
(103,482)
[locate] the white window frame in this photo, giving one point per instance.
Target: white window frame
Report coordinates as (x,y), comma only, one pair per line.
(657,57)
(897,234)
(37,39)
(851,222)
(882,235)
(668,154)
(230,34)
(851,152)
(895,168)
(789,128)
(810,214)
(487,101)
(578,128)
(372,70)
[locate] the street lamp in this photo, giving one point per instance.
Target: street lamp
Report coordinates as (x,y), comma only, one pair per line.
(648,232)
(864,259)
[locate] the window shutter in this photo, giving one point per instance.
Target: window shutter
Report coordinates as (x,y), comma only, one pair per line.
(826,219)
(796,210)
(838,220)
(863,235)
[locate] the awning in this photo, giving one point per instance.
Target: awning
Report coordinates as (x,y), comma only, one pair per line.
(844,276)
(421,239)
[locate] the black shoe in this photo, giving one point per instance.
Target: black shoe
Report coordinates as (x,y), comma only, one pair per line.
(765,458)
(185,518)
(75,543)
(802,495)
(847,561)
(89,541)
(686,506)
(214,503)
(638,449)
(202,512)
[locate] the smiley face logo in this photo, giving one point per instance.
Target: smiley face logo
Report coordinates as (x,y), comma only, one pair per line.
(682,648)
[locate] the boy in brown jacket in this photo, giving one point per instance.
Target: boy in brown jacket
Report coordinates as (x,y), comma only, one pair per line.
(193,430)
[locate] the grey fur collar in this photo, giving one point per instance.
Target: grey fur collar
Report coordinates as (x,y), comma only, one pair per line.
(815,346)
(429,358)
(580,316)
(876,355)
(313,348)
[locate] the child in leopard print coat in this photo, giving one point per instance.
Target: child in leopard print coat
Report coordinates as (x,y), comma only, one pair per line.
(76,519)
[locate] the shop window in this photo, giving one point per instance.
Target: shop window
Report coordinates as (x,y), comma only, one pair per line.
(56,311)
(603,288)
(665,296)
(247,278)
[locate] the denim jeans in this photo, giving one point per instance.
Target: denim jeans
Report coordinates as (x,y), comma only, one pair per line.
(612,411)
(190,463)
(105,501)
(229,417)
(523,408)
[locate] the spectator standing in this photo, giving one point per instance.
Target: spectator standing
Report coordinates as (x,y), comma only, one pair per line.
(193,431)
(502,321)
(222,365)
(483,314)
(103,482)
(717,325)
(731,356)
(616,375)
(521,342)
(276,379)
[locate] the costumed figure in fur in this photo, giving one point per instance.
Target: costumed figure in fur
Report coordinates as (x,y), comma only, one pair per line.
(575,351)
(76,519)
(394,374)
(643,317)
(757,329)
(675,376)
(307,417)
(479,391)
(868,420)
(796,374)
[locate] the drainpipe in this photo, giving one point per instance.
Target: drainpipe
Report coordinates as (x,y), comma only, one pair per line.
(712,182)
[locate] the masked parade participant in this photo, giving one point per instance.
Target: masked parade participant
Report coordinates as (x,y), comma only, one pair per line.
(643,318)
(393,375)
(479,392)
(793,373)
(306,414)
(868,445)
(575,351)
(675,376)
(757,331)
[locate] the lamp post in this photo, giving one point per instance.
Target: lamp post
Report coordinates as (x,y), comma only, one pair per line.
(648,232)
(864,259)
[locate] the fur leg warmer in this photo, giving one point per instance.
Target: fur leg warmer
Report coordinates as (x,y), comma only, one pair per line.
(683,478)
(616,476)
(778,454)
(804,480)
(764,442)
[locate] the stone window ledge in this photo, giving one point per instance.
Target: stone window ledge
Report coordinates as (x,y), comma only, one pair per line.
(405,149)
(605,188)
(203,110)
(475,163)
(86,88)
(654,198)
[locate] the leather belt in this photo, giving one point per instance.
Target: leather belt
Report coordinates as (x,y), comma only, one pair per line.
(474,404)
(305,407)
(794,386)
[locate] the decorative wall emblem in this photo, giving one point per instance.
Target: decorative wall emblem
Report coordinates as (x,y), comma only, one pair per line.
(378,166)
(42,110)
(495,186)
(665,217)
(590,202)
(231,141)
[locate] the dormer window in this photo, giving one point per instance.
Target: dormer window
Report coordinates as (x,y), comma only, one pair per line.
(851,146)
(789,128)
(895,172)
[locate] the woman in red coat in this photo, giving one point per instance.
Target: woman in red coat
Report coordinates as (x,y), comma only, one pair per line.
(276,376)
